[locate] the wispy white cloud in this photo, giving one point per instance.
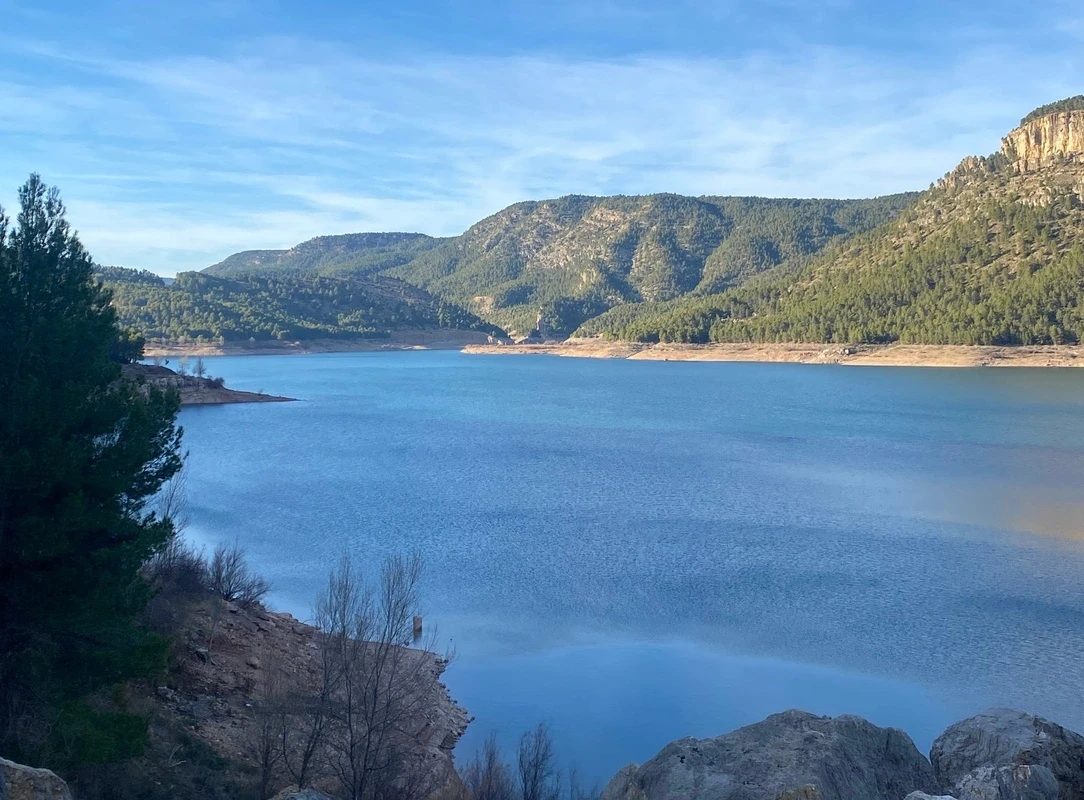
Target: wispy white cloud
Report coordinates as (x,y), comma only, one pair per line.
(174,162)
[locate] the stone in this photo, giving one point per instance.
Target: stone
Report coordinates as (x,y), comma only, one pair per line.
(1027,782)
(924,796)
(623,786)
(293,793)
(805,793)
(794,755)
(26,783)
(1001,737)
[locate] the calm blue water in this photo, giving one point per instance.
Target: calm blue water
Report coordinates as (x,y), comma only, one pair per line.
(637,551)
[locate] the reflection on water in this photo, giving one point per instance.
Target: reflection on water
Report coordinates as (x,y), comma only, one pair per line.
(622,702)
(641,550)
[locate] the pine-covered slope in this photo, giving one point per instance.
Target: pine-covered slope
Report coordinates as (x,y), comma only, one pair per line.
(575,257)
(994,254)
(201,307)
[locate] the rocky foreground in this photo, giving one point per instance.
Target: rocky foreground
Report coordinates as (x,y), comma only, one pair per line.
(999,754)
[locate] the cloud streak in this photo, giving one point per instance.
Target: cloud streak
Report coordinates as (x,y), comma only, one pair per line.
(172,163)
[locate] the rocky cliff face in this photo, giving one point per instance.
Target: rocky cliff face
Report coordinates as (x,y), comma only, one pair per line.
(1052,139)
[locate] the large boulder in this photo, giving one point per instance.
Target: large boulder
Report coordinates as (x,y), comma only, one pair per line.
(26,783)
(1027,782)
(1002,737)
(791,755)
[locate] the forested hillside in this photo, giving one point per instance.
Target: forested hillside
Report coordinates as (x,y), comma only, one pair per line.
(575,257)
(994,254)
(198,306)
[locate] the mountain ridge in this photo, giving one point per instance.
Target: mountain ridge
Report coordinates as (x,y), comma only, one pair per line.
(571,258)
(993,255)
(988,255)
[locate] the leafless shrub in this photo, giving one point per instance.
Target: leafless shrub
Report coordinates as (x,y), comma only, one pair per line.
(367,721)
(231,578)
(539,778)
(487,776)
(179,567)
(266,747)
(576,789)
(536,775)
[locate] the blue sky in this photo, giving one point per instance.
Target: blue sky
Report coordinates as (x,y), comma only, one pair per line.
(182,132)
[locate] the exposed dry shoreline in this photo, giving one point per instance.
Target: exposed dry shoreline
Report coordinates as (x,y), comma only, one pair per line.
(893,355)
(213,396)
(399,340)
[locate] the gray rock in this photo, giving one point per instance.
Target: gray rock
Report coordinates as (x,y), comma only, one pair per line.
(805,793)
(791,755)
(924,796)
(26,783)
(1027,782)
(1002,737)
(293,793)
(623,786)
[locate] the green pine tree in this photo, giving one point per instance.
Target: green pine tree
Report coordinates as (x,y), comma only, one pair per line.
(81,453)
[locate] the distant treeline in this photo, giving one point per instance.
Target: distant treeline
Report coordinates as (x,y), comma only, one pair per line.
(198,306)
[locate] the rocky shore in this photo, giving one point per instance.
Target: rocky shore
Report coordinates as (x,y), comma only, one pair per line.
(891,355)
(196,391)
(999,754)
(204,716)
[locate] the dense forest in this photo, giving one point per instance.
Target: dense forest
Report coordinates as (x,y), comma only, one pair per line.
(202,307)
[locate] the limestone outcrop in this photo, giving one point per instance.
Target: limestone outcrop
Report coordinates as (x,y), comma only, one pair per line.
(1047,140)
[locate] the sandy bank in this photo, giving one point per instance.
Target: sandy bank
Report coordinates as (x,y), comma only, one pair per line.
(893,355)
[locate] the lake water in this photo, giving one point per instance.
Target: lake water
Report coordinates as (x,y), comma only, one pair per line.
(637,551)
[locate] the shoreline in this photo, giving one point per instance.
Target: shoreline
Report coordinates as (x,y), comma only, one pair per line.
(223,396)
(889,355)
(441,339)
